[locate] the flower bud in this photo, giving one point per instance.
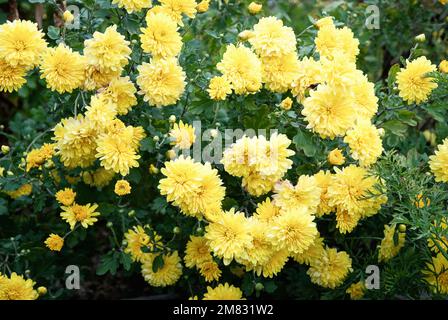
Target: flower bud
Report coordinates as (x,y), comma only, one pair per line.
(335,157)
(5,149)
(254,7)
(171,154)
(286,104)
(42,291)
(420,38)
(214,133)
(68,16)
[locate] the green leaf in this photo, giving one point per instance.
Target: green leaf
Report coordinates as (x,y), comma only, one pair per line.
(126,261)
(392,76)
(407,117)
(147,144)
(158,263)
(304,141)
(53,32)
(396,127)
(3,206)
(109,263)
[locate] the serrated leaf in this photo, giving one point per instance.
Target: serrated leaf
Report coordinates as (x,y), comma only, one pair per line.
(158,263)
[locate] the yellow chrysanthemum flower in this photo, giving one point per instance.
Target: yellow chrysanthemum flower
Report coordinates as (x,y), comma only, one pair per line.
(439,162)
(167,275)
(107,51)
(279,72)
(210,271)
(179,183)
(66,197)
(21,43)
(347,221)
(219,88)
(11,78)
(353,190)
(54,242)
(323,180)
(223,292)
(98,178)
(75,140)
(179,7)
(96,78)
(162,82)
(17,288)
(203,6)
(261,249)
(443,66)
(356,290)
(366,102)
(132,6)
(304,195)
(329,112)
(63,69)
(413,83)
(388,248)
(274,265)
(121,92)
(365,142)
(160,38)
(324,22)
(136,239)
(122,188)
(331,41)
(313,252)
(273,39)
(267,211)
(117,151)
(228,236)
(242,68)
(330,269)
(294,230)
(309,73)
(23,191)
(195,188)
(259,161)
(182,135)
(436,274)
(197,252)
(100,113)
(37,157)
(84,214)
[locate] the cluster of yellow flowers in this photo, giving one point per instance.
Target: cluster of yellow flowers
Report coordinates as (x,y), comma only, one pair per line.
(260,162)
(342,102)
(193,187)
(171,270)
(73,214)
(283,226)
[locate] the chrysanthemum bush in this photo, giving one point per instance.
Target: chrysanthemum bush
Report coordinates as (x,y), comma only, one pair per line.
(218,150)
